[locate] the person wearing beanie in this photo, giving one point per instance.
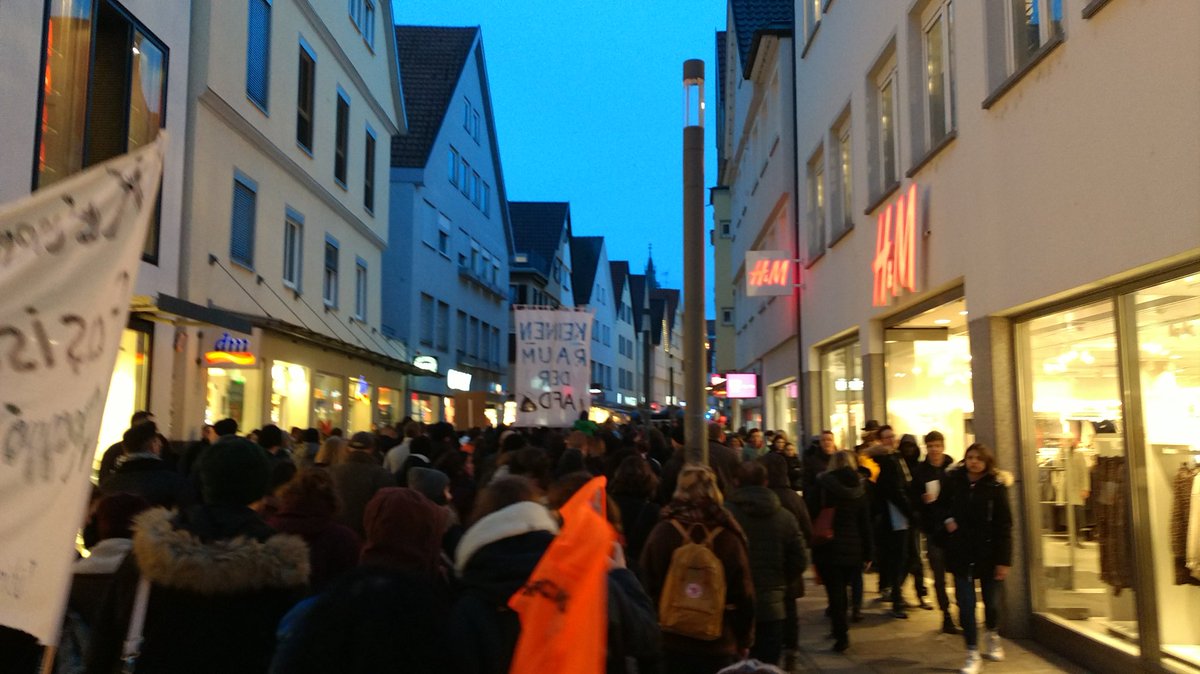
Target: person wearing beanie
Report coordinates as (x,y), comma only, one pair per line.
(219,577)
(142,471)
(356,480)
(435,485)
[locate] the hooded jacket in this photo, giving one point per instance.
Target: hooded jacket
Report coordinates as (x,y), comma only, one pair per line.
(333,548)
(150,477)
(984,519)
(843,490)
(778,482)
(356,481)
(776,549)
(220,581)
(404,532)
(494,559)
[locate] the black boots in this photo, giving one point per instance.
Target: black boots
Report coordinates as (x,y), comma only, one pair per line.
(948,624)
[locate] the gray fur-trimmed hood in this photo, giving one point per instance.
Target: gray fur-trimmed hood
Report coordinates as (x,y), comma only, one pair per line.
(178,559)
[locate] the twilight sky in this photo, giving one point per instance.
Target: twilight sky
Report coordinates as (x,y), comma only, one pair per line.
(588,99)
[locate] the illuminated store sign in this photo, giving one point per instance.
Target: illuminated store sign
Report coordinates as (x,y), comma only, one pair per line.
(427,363)
(740,385)
(458,380)
(229,351)
(768,272)
(895,263)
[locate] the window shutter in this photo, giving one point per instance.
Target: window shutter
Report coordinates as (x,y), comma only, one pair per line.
(258,51)
(241,241)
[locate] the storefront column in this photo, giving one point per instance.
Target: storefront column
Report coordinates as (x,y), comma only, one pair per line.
(875,380)
(997,425)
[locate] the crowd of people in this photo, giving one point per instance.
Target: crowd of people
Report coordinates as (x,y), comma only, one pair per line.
(402,550)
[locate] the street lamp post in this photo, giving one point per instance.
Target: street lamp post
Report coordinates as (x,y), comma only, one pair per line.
(695,438)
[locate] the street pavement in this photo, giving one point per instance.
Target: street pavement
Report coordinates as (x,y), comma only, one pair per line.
(883,644)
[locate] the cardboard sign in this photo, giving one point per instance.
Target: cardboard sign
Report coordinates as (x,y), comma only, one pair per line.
(69,257)
(554,348)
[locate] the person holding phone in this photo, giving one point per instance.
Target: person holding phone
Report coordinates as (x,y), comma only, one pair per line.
(977,522)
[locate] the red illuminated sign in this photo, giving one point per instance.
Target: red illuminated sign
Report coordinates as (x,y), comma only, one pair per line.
(895,263)
(768,272)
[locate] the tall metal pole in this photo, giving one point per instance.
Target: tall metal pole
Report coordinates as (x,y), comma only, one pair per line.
(694,432)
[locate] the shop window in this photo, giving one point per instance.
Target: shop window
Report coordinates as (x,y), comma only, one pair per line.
(369,171)
(387,406)
(341,138)
(329,282)
(234,394)
(1168,348)
(245,203)
(328,402)
(289,395)
(104,92)
(927,370)
(258,52)
(842,393)
(293,249)
(359,405)
(306,83)
(1086,574)
(129,388)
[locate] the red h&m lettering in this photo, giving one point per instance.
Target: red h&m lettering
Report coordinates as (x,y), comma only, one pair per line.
(779,273)
(760,273)
(895,260)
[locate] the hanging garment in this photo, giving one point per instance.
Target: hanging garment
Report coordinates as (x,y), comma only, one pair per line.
(1193,537)
(1181,511)
(1112,522)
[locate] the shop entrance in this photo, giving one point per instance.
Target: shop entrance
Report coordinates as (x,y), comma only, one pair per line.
(927,366)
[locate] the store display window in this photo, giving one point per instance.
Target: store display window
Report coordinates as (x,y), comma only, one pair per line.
(358,404)
(425,408)
(1168,351)
(927,366)
(128,390)
(1072,374)
(387,407)
(234,394)
(842,393)
(448,410)
(786,417)
(328,403)
(289,395)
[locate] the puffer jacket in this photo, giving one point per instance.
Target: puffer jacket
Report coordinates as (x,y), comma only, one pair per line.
(777,553)
(852,543)
(984,518)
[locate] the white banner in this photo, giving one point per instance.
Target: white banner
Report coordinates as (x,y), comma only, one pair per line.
(69,257)
(554,348)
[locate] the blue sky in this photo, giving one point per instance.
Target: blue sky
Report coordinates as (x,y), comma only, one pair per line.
(588,101)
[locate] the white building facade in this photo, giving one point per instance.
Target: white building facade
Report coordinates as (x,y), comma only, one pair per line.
(1000,213)
(447,265)
(292,107)
(756,152)
(139,50)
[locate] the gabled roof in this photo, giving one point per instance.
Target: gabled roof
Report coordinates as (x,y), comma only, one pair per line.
(619,270)
(585,256)
(537,230)
(637,294)
(431,63)
(671,297)
(752,18)
(657,309)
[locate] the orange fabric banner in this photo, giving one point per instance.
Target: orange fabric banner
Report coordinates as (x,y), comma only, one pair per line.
(564,605)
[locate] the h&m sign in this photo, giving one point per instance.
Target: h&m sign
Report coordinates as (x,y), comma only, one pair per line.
(895,262)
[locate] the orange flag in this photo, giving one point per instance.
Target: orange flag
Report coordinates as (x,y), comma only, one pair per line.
(563,606)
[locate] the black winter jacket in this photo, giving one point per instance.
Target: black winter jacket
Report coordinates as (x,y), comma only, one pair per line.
(777,553)
(151,478)
(892,488)
(852,542)
(984,519)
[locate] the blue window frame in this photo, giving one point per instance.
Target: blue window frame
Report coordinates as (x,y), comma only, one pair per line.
(341,150)
(293,249)
(329,281)
(258,52)
(245,203)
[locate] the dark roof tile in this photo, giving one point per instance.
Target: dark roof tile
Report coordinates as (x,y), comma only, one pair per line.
(537,229)
(585,256)
(431,63)
(752,16)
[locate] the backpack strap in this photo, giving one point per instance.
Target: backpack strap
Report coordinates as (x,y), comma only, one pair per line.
(711,535)
(686,532)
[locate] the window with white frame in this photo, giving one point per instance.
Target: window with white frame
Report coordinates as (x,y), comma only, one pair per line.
(329,279)
(816,205)
(452,168)
(1031,25)
(486,199)
(889,169)
(475,188)
(727,315)
(293,249)
(429,224)
(360,289)
(464,175)
(842,160)
(341,139)
(475,125)
(937,29)
(368,23)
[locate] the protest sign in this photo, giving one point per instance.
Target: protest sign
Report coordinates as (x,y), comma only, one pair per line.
(554,349)
(69,257)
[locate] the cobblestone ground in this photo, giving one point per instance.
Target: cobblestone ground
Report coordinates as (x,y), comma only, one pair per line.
(883,644)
